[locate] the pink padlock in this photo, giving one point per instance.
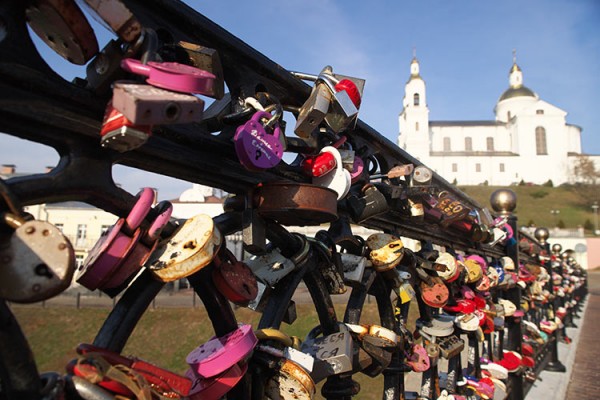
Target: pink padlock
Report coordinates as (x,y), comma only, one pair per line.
(216,387)
(118,242)
(256,149)
(357,169)
(221,353)
(142,249)
(173,76)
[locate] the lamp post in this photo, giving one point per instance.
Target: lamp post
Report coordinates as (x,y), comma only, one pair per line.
(595,208)
(555,213)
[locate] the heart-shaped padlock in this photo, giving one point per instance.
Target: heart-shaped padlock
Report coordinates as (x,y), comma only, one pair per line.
(417,359)
(256,149)
(221,353)
(434,294)
(386,250)
(233,278)
(110,250)
(339,179)
(142,249)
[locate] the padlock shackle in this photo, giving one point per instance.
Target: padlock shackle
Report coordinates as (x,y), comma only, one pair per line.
(166,209)
(12,220)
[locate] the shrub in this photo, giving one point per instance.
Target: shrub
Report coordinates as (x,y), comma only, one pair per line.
(588,226)
(561,224)
(548,183)
(531,223)
(539,194)
(522,183)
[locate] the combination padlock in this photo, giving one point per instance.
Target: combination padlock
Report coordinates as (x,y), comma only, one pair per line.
(149,105)
(119,133)
(191,248)
(339,179)
(37,261)
(256,149)
(221,353)
(318,165)
(120,240)
(233,278)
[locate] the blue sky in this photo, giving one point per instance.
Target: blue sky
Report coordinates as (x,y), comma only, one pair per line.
(464,47)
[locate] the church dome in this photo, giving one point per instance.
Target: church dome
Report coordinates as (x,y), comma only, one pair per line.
(521,91)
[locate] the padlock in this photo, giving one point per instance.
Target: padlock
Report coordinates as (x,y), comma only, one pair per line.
(433,352)
(358,167)
(233,278)
(313,111)
(149,105)
(395,278)
(342,110)
(256,149)
(318,165)
(119,241)
(386,251)
(332,353)
(190,248)
(161,379)
(452,271)
(349,87)
(433,291)
(339,179)
(347,155)
(105,68)
(206,59)
(119,133)
(380,357)
(354,268)
(371,204)
(450,346)
(172,76)
(377,335)
(451,209)
(417,358)
(142,250)
(64,28)
(421,176)
(271,267)
(217,386)
(221,353)
(37,260)
(290,382)
(118,18)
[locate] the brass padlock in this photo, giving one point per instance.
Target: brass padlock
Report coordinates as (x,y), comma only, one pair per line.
(37,261)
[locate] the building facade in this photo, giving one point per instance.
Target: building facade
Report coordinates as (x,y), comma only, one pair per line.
(529,140)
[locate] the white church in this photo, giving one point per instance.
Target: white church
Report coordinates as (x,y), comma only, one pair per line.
(529,139)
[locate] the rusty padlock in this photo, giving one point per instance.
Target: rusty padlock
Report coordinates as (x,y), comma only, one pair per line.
(233,278)
(191,248)
(37,261)
(433,290)
(386,251)
(63,26)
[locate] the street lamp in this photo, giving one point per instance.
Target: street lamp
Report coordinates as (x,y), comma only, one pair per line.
(595,208)
(555,213)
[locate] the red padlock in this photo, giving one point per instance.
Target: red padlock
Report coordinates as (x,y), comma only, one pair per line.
(119,133)
(233,278)
(318,165)
(351,89)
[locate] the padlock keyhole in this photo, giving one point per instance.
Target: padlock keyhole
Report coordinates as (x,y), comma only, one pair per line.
(43,270)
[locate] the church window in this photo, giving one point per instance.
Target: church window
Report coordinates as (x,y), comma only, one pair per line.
(416,126)
(540,140)
(454,167)
(501,167)
(539,112)
(416,99)
(490,143)
(447,144)
(468,144)
(477,167)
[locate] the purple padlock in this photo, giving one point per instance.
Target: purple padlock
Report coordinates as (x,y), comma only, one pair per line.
(257,149)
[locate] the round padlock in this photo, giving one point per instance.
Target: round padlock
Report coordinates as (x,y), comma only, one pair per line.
(234,279)
(318,165)
(290,381)
(191,248)
(474,271)
(467,322)
(221,353)
(339,179)
(386,251)
(435,294)
(450,274)
(37,264)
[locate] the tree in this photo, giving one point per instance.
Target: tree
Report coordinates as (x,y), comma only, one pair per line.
(586,180)
(588,225)
(549,183)
(561,224)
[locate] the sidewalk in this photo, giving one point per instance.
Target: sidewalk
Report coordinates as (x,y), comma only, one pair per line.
(581,357)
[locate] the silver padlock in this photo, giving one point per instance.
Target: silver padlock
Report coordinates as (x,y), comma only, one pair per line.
(37,261)
(333,353)
(421,176)
(354,267)
(271,267)
(499,235)
(313,111)
(149,105)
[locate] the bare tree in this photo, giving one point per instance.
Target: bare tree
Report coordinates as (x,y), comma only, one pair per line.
(586,179)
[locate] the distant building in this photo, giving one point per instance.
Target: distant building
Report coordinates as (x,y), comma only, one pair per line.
(528,140)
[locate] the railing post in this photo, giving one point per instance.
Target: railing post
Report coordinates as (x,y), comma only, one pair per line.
(554,365)
(504,202)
